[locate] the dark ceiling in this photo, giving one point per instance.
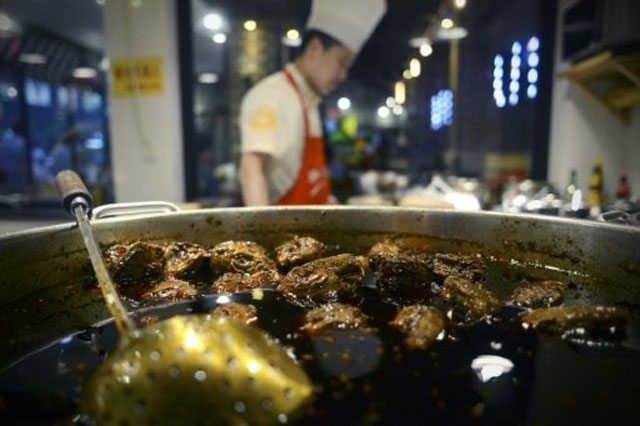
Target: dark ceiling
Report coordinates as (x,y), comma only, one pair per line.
(77,21)
(383,57)
(386,54)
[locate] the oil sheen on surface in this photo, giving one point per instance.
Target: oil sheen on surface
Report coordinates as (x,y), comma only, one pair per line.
(485,373)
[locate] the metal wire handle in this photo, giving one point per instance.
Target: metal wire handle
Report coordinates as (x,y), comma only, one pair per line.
(134,209)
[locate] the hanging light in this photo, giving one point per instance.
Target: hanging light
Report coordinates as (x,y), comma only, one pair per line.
(447,23)
(219,38)
(383,112)
(344,103)
(208,78)
(415,67)
(84,73)
(391,102)
(400,92)
(32,58)
(250,25)
(426,49)
(459,4)
(212,21)
(293,34)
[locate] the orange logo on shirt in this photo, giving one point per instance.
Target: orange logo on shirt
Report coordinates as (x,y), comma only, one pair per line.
(264,118)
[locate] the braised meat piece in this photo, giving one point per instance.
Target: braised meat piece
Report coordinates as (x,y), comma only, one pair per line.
(470,299)
(586,321)
(399,272)
(184,260)
(331,279)
(232,282)
(246,313)
(421,325)
(335,316)
(134,263)
(170,290)
(298,251)
(239,256)
(538,294)
(455,265)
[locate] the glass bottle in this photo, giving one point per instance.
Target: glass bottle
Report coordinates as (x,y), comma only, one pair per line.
(594,198)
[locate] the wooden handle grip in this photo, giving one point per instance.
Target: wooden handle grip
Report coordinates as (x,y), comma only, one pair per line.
(70,187)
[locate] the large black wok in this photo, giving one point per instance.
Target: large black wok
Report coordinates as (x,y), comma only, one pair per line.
(44,272)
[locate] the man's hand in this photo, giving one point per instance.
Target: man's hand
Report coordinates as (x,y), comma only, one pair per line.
(253,179)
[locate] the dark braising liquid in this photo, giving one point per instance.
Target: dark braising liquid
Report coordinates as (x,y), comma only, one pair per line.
(486,373)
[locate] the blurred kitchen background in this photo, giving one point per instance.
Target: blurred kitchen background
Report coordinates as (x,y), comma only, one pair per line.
(505,105)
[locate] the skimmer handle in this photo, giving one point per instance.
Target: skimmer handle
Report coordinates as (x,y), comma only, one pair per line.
(73,192)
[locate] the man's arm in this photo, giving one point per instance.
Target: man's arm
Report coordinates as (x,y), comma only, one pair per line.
(253,178)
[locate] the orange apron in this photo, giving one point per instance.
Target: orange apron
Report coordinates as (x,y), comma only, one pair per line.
(312,183)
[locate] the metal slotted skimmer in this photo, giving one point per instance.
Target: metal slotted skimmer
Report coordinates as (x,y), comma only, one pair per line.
(188,369)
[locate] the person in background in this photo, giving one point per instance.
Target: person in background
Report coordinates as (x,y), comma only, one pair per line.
(282,151)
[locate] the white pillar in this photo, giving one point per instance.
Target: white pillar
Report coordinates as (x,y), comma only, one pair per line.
(145,121)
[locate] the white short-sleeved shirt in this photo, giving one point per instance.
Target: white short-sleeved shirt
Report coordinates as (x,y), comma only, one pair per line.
(272,122)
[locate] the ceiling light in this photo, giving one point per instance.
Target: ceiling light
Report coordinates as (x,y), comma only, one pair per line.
(383,112)
(416,42)
(344,103)
(208,78)
(9,27)
(32,58)
(426,49)
(250,25)
(292,38)
(11,92)
(391,102)
(454,33)
(460,4)
(516,48)
(398,110)
(415,67)
(85,73)
(219,38)
(447,23)
(212,21)
(407,74)
(400,92)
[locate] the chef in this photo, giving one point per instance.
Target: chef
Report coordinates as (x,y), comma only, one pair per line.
(282,150)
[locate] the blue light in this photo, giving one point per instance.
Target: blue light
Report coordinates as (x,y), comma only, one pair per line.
(515,73)
(501,102)
(513,99)
(497,84)
(532,75)
(498,93)
(498,73)
(498,61)
(516,48)
(533,44)
(533,60)
(515,61)
(514,86)
(532,91)
(441,109)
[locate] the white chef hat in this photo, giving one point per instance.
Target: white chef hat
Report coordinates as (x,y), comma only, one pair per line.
(351,22)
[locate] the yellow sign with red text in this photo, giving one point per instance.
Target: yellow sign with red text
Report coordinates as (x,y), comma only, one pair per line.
(142,76)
